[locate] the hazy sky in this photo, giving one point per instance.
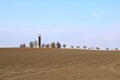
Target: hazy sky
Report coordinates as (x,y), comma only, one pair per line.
(73,22)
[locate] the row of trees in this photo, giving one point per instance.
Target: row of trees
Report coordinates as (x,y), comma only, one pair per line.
(34,44)
(52,45)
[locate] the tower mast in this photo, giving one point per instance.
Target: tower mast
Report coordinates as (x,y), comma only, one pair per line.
(39,41)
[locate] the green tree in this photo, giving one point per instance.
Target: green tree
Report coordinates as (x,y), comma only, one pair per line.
(78,47)
(97,48)
(72,47)
(58,45)
(85,47)
(53,45)
(47,45)
(22,45)
(31,44)
(116,49)
(64,45)
(107,48)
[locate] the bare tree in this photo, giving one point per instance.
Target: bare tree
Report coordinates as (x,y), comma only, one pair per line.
(43,45)
(92,48)
(35,44)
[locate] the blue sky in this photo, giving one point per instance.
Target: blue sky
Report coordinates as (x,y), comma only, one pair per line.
(73,22)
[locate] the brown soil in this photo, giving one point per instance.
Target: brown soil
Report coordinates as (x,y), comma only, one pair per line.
(58,64)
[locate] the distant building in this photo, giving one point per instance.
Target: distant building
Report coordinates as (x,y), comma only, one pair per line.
(39,41)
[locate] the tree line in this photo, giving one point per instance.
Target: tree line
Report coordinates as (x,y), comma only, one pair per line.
(34,44)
